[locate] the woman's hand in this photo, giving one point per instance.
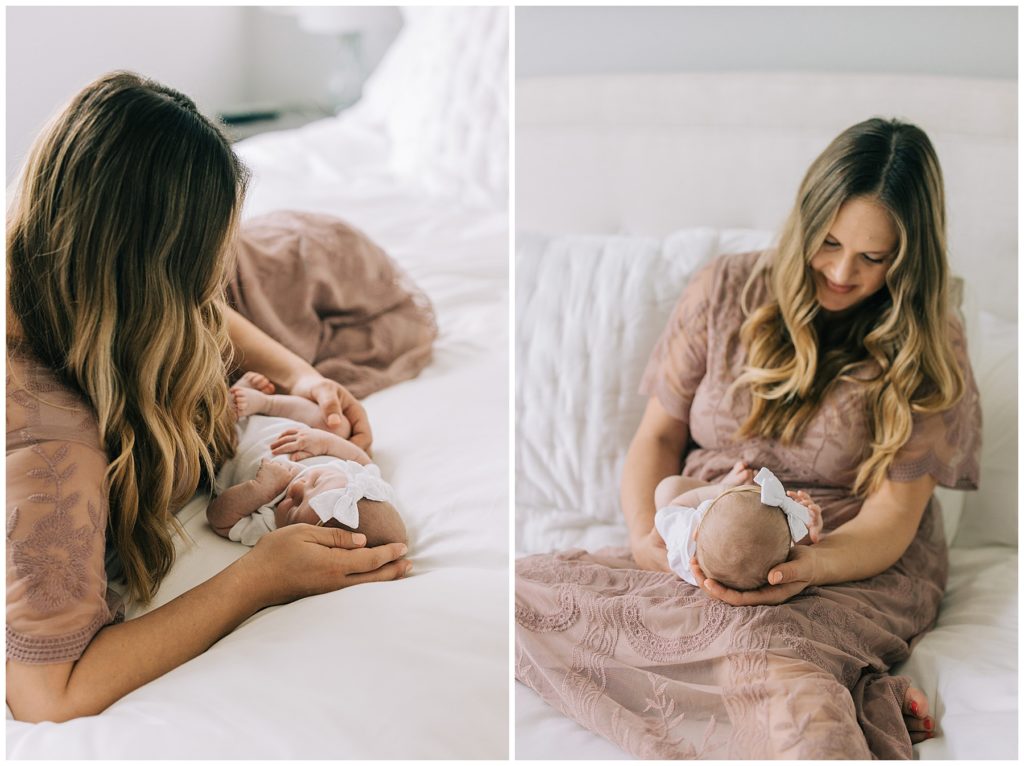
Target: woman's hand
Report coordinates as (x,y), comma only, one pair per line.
(335,400)
(785,580)
(650,552)
(303,560)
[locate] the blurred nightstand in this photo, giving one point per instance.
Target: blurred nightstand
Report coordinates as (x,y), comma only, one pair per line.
(245,123)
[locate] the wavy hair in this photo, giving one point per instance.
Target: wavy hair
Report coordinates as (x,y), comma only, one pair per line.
(903,328)
(117,259)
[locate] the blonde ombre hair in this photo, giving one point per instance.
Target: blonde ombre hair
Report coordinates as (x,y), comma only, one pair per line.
(903,328)
(117,259)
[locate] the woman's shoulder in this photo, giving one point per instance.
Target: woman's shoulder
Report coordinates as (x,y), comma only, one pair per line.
(43,408)
(724,279)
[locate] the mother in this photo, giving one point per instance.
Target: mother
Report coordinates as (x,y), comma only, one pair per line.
(835,361)
(118,342)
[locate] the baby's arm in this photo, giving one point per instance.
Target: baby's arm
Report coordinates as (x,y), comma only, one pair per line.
(235,503)
(301,443)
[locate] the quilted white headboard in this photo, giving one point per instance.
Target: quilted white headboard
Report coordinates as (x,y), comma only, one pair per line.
(652,154)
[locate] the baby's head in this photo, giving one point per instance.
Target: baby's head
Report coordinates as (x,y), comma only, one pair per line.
(740,538)
(378,520)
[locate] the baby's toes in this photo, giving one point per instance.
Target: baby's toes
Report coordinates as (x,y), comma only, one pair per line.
(262,383)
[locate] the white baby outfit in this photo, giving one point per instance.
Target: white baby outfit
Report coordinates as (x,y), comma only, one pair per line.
(255,434)
(677,524)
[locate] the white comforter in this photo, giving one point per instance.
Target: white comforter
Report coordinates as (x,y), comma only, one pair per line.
(409,669)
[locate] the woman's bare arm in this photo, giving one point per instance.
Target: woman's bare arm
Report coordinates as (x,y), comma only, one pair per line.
(121,658)
(255,350)
(287,564)
(655,452)
(874,539)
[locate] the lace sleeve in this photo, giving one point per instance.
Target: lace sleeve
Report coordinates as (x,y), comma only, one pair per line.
(947,444)
(56,526)
(679,360)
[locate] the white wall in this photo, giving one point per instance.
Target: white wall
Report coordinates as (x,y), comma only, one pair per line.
(965,41)
(222,57)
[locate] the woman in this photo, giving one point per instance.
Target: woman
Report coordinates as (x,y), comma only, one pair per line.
(118,410)
(834,361)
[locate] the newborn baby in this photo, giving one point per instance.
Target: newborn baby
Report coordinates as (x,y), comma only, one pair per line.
(737,531)
(328,480)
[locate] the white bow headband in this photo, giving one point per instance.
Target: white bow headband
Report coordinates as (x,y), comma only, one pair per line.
(773,493)
(364,482)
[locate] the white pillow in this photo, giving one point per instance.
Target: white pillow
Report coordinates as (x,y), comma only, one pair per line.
(990,514)
(588,312)
(441,94)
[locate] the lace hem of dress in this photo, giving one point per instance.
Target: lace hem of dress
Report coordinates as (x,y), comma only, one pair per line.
(39,650)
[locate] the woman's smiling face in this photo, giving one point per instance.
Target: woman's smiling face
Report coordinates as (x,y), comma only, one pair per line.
(857,253)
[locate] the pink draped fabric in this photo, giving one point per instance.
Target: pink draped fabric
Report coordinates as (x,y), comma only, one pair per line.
(324,290)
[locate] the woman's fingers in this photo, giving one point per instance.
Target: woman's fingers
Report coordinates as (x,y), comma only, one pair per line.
(334,537)
(367,560)
(787,572)
(361,435)
(390,571)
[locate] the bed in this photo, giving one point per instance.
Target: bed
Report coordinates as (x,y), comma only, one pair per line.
(416,668)
(625,184)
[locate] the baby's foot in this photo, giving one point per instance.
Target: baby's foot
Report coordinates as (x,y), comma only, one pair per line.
(248,401)
(255,380)
(274,475)
(920,724)
(738,476)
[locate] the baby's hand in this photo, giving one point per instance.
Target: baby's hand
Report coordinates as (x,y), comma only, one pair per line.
(273,475)
(301,443)
(814,528)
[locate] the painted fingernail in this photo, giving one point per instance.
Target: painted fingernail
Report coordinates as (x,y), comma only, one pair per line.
(928,723)
(359,539)
(913,708)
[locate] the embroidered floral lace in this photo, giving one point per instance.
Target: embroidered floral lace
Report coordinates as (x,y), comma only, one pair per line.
(57,597)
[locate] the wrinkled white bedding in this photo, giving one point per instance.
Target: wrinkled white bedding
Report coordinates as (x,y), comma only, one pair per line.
(409,669)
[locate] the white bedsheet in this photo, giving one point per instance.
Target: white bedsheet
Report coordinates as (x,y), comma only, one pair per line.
(410,669)
(967,665)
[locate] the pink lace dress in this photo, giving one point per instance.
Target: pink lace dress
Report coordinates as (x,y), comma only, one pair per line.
(57,596)
(664,671)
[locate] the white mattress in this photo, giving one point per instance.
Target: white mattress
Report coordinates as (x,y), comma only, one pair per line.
(410,669)
(967,665)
